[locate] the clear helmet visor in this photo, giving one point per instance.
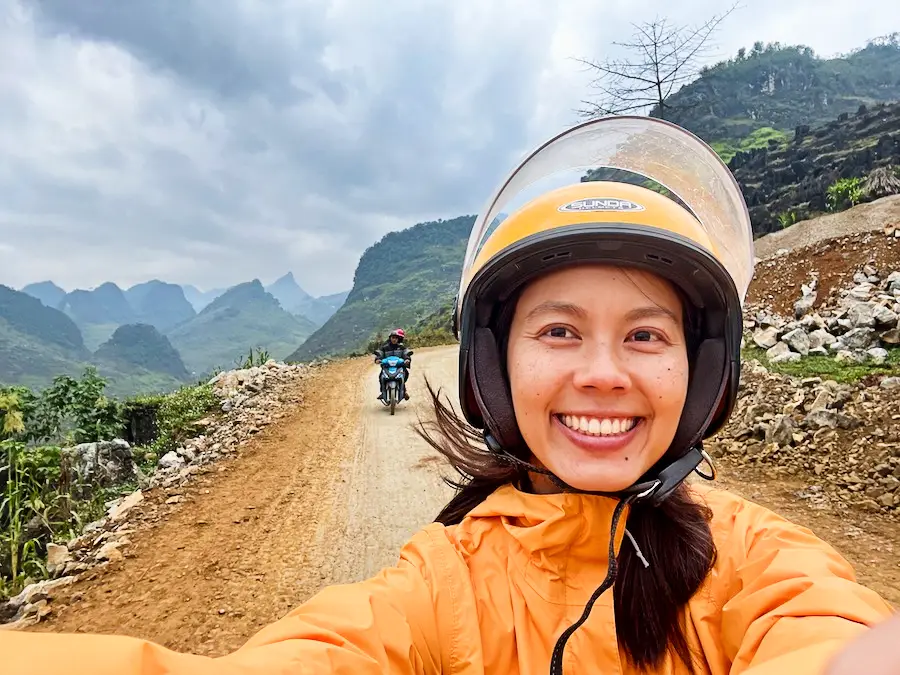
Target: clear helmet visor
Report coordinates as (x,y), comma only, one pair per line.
(642,150)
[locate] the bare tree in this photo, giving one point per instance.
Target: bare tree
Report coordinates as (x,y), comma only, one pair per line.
(666,56)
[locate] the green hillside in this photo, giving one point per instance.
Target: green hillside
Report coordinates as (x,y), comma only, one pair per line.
(142,346)
(782,87)
(399,281)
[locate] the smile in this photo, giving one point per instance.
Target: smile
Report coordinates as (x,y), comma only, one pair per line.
(599,426)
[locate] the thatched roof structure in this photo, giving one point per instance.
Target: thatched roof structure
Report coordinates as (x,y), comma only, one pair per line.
(882,182)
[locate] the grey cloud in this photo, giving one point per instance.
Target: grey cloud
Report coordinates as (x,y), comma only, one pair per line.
(214,142)
(230,48)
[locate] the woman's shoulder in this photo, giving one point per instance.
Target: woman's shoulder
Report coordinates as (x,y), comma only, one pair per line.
(733,514)
(742,528)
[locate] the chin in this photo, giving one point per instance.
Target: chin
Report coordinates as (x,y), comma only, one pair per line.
(599,480)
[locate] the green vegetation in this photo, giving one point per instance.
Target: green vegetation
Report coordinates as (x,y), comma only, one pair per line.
(435,329)
(402,279)
(826,367)
(843,194)
(178,414)
(764,137)
(43,498)
(785,86)
(255,357)
(788,218)
(143,347)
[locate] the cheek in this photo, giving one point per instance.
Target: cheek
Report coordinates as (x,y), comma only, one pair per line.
(530,379)
(670,385)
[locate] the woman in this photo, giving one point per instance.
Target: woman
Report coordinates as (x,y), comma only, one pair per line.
(599,328)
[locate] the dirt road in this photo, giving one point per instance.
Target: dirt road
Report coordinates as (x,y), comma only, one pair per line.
(326,496)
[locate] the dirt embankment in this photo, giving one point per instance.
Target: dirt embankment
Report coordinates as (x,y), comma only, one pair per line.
(863,218)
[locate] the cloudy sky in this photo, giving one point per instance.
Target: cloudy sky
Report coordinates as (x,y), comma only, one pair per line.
(216,141)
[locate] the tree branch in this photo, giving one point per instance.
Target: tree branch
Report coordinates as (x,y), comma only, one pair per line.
(665,57)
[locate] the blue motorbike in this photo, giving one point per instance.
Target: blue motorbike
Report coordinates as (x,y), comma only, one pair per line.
(392,379)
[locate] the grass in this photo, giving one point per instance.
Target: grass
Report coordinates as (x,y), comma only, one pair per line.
(826,367)
(726,149)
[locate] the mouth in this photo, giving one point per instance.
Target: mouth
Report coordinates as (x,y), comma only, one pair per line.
(599,427)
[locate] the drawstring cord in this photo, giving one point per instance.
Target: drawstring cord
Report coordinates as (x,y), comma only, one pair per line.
(637,549)
(556,660)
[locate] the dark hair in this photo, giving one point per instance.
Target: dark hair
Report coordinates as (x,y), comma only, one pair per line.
(674,537)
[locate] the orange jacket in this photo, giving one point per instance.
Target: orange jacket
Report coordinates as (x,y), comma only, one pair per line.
(492,594)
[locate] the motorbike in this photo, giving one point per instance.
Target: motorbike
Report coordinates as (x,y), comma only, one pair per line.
(392,379)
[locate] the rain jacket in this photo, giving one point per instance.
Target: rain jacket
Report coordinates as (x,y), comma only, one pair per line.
(492,594)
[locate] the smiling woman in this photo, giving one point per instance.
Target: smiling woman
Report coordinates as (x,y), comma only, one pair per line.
(599,328)
(598,381)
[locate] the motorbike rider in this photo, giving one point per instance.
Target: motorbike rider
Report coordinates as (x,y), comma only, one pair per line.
(394,346)
(599,328)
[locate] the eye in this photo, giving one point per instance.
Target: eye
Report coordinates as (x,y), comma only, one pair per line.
(645,335)
(559,332)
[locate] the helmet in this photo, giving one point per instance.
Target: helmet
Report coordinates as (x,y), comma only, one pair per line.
(398,332)
(664,202)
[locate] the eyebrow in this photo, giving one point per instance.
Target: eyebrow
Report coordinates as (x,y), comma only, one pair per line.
(558,306)
(649,312)
(646,312)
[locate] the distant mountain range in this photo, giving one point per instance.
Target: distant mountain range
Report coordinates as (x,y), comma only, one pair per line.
(153,335)
(789,123)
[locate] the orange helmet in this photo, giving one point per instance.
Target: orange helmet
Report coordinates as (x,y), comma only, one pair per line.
(665,203)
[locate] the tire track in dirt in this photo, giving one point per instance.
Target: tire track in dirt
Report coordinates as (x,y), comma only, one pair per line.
(394,484)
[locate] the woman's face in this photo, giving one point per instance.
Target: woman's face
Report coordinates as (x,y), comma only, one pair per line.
(599,372)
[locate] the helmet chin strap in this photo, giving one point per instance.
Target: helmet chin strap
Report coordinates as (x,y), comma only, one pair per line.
(649,489)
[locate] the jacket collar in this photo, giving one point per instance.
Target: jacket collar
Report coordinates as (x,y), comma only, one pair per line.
(564,536)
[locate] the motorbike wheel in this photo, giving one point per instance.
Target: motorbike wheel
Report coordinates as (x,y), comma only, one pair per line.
(393,399)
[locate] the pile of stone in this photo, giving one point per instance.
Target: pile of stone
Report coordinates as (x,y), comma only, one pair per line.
(855,325)
(250,399)
(845,437)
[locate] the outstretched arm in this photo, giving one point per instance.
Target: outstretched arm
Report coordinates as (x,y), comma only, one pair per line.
(793,602)
(387,624)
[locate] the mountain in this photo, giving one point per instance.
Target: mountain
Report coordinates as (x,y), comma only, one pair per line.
(142,346)
(39,343)
(288,292)
(242,318)
(401,279)
(159,304)
(98,312)
(105,304)
(200,299)
(325,306)
(47,292)
(298,302)
(36,342)
(319,310)
(779,88)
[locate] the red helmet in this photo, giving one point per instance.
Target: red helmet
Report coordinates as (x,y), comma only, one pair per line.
(398,332)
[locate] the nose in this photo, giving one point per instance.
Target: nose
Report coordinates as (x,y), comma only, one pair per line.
(601,367)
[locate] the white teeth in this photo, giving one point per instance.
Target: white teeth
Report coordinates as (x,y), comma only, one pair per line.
(594,426)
